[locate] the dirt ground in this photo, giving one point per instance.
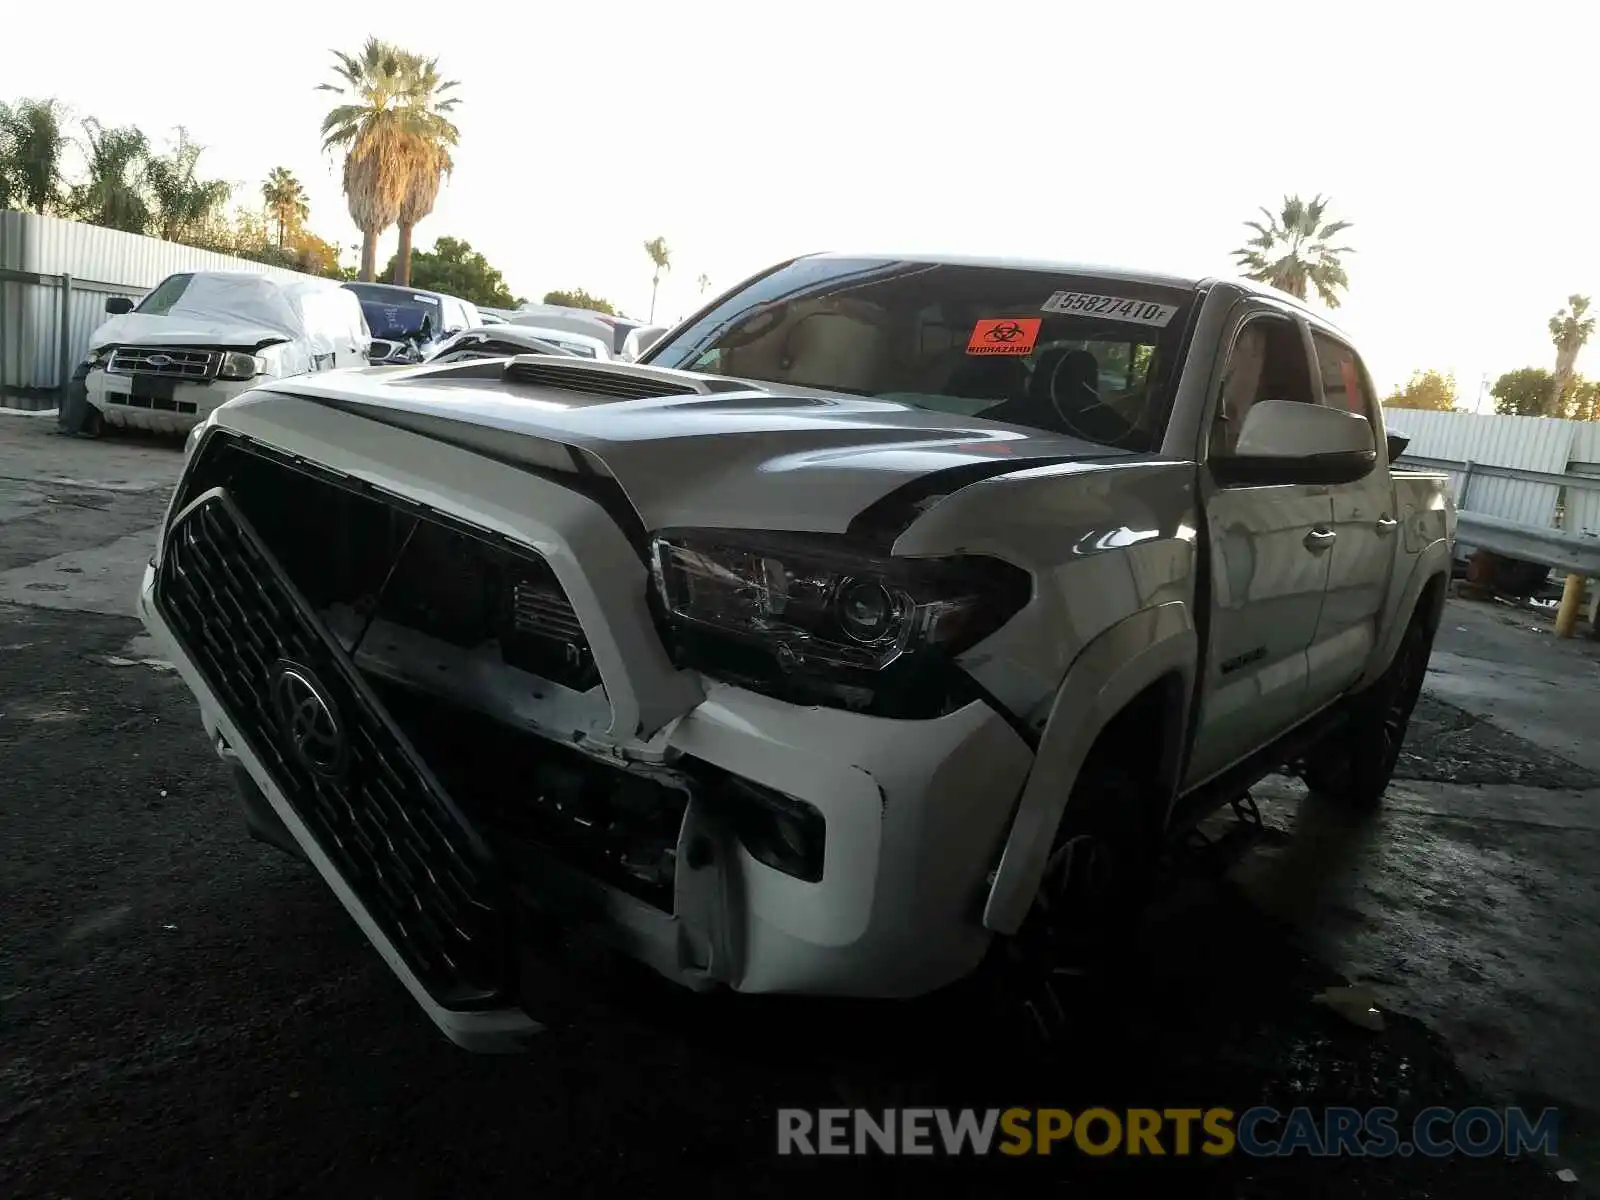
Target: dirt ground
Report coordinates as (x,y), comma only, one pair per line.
(184,1011)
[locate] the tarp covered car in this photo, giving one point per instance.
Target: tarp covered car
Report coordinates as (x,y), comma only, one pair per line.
(202,337)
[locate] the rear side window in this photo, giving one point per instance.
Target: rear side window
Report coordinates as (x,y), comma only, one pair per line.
(1344,379)
(167,293)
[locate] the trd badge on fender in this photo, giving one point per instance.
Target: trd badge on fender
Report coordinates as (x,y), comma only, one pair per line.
(308,720)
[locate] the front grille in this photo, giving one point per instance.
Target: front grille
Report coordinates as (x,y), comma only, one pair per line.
(416,862)
(167,362)
(154,403)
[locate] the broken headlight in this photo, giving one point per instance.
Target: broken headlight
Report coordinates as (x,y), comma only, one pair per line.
(819,603)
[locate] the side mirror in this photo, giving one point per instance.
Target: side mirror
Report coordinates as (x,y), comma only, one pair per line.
(117,305)
(1284,441)
(1397,443)
(381,350)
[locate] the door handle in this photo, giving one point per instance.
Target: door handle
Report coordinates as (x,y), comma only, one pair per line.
(1387,525)
(1319,540)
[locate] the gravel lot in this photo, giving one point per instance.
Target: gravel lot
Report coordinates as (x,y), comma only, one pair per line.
(187,1012)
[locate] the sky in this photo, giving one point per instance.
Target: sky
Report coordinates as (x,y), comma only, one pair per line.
(1459,142)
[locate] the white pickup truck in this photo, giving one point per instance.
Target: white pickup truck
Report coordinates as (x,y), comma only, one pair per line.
(874,629)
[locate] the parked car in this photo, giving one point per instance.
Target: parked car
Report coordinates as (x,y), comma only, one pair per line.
(610,330)
(640,339)
(201,337)
(874,631)
(412,320)
(495,341)
(583,345)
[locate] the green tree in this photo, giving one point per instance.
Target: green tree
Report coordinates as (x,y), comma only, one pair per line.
(1570,328)
(660,260)
(456,269)
(286,202)
(580,299)
(180,201)
(32,142)
(1427,390)
(378,129)
(1294,249)
(1522,393)
(113,193)
(428,104)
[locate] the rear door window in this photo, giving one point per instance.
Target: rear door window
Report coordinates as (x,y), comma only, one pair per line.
(1344,378)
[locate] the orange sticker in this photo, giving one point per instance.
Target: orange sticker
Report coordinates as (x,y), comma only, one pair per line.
(1004,335)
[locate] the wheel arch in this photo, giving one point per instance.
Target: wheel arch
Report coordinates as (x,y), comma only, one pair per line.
(1425,591)
(1141,668)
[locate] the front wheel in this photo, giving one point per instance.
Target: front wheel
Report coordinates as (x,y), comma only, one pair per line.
(1354,765)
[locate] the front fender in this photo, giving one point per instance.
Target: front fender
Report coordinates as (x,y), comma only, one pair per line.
(1113,669)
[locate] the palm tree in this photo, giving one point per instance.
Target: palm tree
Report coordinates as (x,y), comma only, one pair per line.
(661,259)
(113,195)
(703,283)
(1569,330)
(181,201)
(434,137)
(1295,248)
(286,201)
(377,129)
(31,145)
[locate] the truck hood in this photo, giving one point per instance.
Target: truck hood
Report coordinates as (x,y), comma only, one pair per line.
(728,454)
(142,329)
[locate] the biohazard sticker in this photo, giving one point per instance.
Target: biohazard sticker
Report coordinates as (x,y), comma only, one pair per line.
(1111,308)
(1004,335)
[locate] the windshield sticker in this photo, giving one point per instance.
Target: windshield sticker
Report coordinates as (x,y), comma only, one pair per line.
(1004,335)
(1112,308)
(424,299)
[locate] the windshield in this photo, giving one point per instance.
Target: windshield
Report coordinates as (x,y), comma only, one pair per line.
(394,315)
(165,294)
(1092,357)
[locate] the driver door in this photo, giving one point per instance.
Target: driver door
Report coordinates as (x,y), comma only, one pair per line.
(1269,566)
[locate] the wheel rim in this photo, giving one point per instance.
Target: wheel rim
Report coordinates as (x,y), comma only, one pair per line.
(1397,713)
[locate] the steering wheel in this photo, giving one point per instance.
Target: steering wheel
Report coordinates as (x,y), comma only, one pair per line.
(1083,414)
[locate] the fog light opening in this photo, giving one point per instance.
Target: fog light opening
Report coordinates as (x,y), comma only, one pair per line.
(776,830)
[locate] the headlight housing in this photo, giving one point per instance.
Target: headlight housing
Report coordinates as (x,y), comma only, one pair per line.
(237,365)
(96,358)
(768,607)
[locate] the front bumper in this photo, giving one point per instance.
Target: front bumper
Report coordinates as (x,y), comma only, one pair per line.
(915,814)
(188,405)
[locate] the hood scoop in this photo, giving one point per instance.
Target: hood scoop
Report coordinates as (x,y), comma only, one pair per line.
(614,380)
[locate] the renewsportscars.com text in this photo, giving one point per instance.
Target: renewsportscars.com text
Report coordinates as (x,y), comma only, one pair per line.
(1155,1132)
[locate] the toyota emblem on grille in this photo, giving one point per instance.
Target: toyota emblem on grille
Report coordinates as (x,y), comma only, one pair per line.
(308,720)
(159,360)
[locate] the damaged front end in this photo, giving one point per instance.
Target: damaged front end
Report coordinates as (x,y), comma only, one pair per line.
(424,698)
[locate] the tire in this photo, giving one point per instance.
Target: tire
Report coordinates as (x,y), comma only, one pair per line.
(1354,766)
(1089,912)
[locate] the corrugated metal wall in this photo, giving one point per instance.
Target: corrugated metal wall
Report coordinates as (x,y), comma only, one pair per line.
(131,265)
(1532,443)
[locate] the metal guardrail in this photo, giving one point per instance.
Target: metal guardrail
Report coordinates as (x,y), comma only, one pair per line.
(1569,552)
(1558,549)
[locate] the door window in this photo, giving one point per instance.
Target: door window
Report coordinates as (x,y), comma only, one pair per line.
(1344,379)
(1266,362)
